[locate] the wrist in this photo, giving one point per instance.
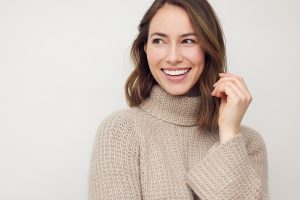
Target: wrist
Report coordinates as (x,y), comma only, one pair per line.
(228,133)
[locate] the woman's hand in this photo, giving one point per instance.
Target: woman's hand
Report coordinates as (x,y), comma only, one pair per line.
(235,99)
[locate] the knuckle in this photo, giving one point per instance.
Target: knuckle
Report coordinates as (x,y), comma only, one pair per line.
(235,79)
(237,101)
(243,98)
(250,98)
(232,81)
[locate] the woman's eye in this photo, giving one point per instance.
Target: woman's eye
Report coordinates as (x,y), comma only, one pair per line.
(157,41)
(189,41)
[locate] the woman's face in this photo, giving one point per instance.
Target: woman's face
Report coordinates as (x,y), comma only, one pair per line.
(174,55)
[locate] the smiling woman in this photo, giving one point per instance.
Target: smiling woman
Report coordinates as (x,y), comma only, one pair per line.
(174,54)
(182,136)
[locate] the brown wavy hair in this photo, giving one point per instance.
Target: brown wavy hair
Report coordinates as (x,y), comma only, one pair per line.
(209,32)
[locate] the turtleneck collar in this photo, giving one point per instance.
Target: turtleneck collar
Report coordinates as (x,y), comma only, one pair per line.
(180,110)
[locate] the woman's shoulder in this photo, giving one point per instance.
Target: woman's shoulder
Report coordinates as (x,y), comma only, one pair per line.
(116,137)
(122,117)
(120,123)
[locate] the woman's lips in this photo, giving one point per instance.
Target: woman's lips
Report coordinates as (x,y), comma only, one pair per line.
(176,78)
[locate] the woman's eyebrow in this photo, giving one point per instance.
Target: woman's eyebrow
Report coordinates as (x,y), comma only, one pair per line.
(188,34)
(159,34)
(165,35)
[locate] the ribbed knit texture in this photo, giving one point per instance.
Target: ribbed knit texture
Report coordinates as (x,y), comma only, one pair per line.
(155,151)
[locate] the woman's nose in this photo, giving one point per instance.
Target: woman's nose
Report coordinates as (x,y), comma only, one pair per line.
(174,56)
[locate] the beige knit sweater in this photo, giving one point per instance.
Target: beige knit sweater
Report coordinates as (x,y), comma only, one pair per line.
(154,151)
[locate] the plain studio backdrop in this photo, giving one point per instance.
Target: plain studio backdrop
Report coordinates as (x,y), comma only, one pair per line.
(63,65)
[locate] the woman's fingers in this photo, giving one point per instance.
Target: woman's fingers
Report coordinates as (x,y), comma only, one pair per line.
(239,80)
(235,99)
(232,91)
(237,83)
(227,89)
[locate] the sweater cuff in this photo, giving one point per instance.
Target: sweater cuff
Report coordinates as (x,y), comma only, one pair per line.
(225,172)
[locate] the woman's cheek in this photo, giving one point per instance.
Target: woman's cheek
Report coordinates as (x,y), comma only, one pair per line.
(154,56)
(195,55)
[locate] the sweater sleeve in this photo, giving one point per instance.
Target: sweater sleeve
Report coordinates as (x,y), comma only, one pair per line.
(114,171)
(236,169)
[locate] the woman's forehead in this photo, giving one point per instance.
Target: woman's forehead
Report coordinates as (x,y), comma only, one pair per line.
(171,19)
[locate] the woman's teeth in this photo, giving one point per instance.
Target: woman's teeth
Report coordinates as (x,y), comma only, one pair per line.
(175,72)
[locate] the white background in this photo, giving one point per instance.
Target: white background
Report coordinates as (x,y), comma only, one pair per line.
(63,65)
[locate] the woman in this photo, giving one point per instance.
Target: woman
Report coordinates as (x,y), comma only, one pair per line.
(182,138)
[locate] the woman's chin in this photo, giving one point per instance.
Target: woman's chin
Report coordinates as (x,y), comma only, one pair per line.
(176,90)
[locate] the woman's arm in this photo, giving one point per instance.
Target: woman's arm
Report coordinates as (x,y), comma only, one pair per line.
(236,166)
(114,170)
(236,169)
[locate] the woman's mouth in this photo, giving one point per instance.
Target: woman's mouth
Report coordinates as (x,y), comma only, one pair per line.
(176,76)
(176,72)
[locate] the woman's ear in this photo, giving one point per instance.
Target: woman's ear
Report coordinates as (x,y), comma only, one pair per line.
(145,47)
